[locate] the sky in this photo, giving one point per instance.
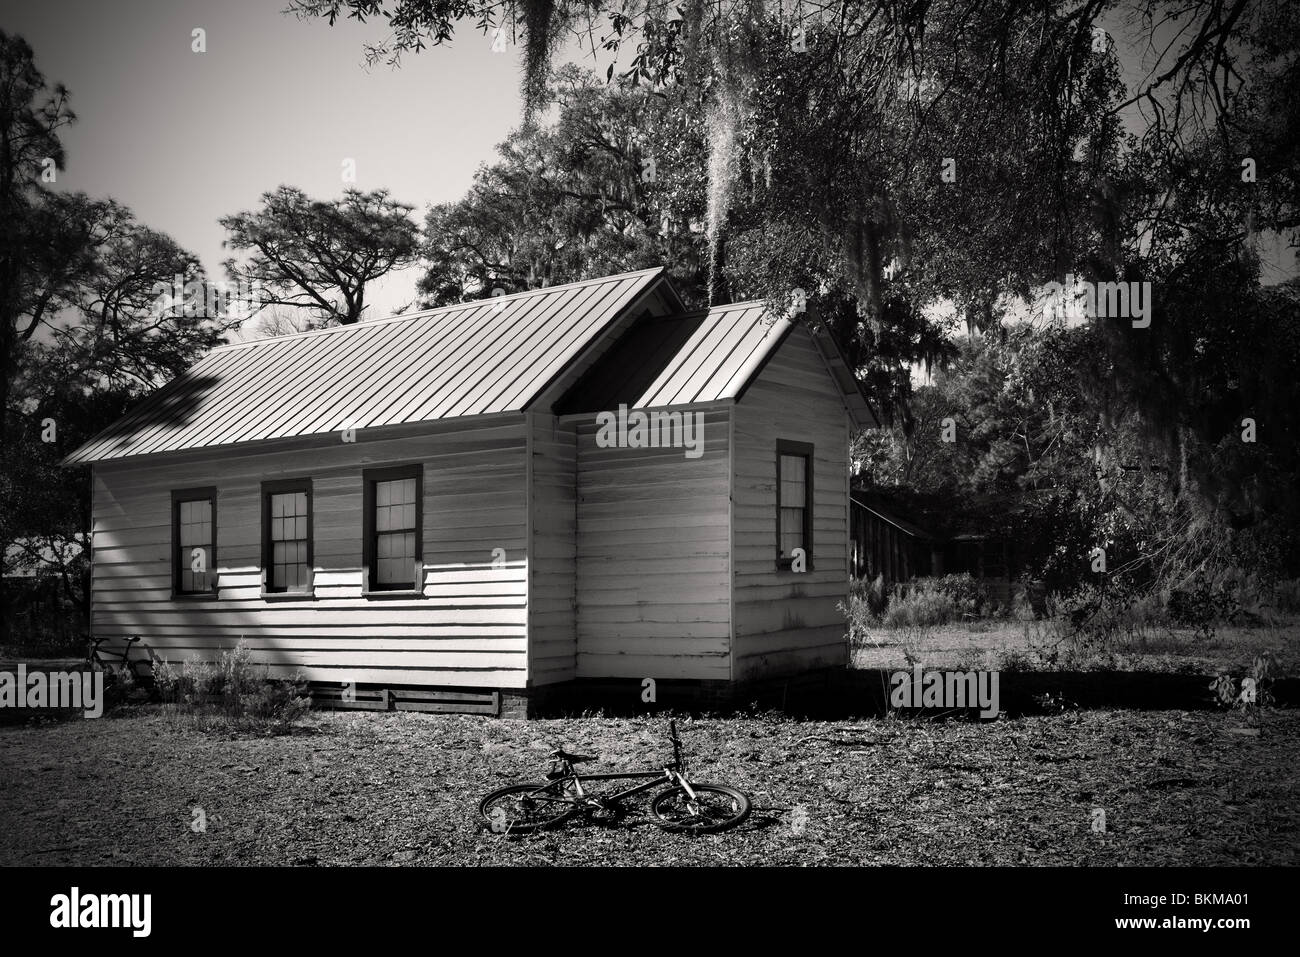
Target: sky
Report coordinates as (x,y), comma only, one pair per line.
(183,138)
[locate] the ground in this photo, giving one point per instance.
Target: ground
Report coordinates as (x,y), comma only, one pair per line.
(1102,787)
(364,788)
(1012,645)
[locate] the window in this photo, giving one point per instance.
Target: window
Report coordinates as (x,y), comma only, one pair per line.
(794,498)
(286,536)
(393,516)
(194,541)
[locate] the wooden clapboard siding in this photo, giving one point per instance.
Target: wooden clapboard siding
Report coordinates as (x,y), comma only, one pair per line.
(469,628)
(785,621)
(652,557)
(552,651)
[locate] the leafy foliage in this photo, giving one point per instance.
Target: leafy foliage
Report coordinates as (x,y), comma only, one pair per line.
(613,185)
(83,330)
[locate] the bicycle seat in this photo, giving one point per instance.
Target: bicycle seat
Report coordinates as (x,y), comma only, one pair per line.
(561,755)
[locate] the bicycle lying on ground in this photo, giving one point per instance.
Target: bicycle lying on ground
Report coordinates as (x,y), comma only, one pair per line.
(684,806)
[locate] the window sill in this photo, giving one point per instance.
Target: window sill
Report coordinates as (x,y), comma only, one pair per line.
(382,593)
(309,595)
(195,596)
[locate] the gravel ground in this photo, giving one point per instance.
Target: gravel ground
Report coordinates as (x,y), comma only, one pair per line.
(145,788)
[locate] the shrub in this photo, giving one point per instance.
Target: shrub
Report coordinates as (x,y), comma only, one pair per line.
(872,594)
(855,610)
(276,706)
(1255,690)
(918,607)
(231,688)
(1095,623)
(935,601)
(1201,604)
(967,591)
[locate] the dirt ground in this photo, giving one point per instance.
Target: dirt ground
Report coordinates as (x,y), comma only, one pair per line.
(1104,788)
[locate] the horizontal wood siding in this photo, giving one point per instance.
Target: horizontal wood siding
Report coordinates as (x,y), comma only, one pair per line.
(652,558)
(468,628)
(552,652)
(787,621)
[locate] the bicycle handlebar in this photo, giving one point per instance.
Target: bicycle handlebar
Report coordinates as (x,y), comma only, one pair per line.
(98,640)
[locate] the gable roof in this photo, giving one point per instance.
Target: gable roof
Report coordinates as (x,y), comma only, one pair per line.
(476,358)
(705,356)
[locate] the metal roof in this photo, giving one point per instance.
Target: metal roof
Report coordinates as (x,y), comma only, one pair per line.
(477,358)
(729,345)
(900,523)
(701,357)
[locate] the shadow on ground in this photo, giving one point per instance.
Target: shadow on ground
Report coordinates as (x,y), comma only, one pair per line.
(855,693)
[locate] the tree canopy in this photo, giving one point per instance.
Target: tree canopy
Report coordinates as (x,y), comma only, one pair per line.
(320,254)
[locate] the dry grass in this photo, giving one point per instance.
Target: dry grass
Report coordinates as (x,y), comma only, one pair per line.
(1032,644)
(1177,788)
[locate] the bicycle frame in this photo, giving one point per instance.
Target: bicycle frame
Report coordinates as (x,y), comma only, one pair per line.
(669,775)
(119,663)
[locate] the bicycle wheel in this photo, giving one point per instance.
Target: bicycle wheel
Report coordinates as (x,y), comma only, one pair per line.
(524,808)
(714,808)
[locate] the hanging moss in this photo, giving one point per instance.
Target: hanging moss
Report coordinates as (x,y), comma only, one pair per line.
(539,40)
(723,167)
(737,54)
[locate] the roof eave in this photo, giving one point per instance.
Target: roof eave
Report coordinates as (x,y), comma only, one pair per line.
(855,400)
(293,442)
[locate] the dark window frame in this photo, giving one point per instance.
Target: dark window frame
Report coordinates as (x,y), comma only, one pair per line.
(201,493)
(805,450)
(370,534)
(280,487)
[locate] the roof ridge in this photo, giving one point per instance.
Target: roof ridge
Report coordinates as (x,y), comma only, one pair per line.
(425,313)
(723,307)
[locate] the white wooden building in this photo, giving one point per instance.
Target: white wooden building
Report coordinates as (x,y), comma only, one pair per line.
(468,498)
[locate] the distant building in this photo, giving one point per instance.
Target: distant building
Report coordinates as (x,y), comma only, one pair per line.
(884,543)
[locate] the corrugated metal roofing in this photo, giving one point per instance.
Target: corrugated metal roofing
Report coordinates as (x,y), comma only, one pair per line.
(728,346)
(701,357)
(475,358)
(679,359)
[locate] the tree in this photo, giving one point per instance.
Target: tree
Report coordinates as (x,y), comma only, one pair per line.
(318,254)
(83,327)
(124,325)
(611,186)
(39,253)
(909,168)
